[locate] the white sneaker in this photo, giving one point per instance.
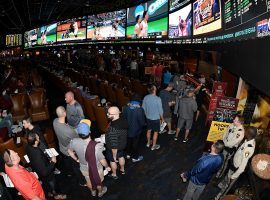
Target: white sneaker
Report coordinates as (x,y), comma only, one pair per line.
(156,147)
(104,190)
(164,131)
(171,132)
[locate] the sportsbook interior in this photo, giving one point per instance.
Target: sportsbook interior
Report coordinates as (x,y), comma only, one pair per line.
(135,99)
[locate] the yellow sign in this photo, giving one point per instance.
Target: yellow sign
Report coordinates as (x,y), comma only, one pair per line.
(217,130)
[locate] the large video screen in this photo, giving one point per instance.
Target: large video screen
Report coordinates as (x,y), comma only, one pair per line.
(175,4)
(46,35)
(180,23)
(107,26)
(13,40)
(71,30)
(148,20)
(206,16)
(30,38)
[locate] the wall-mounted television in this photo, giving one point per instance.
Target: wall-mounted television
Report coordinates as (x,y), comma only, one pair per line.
(30,38)
(180,22)
(148,20)
(107,26)
(13,40)
(175,4)
(71,30)
(46,35)
(206,16)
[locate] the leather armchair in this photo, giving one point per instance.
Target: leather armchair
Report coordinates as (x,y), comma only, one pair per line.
(38,110)
(19,108)
(49,137)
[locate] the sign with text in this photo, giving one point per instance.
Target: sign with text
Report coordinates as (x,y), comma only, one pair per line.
(217,130)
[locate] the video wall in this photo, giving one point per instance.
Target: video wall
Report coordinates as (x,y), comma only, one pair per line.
(168,21)
(13,40)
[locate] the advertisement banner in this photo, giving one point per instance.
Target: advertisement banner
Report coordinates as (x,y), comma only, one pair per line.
(217,130)
(219,90)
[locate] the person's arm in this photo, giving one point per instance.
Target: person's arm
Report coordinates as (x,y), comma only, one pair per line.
(36,198)
(198,168)
(195,106)
(80,112)
(71,153)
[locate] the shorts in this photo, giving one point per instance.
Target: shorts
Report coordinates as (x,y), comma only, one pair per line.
(109,155)
(168,119)
(182,121)
(153,125)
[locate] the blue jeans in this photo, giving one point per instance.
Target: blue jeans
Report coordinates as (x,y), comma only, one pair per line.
(7,122)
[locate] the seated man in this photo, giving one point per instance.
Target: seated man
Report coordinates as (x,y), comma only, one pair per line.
(42,165)
(25,182)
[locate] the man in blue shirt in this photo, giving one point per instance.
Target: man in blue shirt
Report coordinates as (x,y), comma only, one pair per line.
(200,175)
(154,113)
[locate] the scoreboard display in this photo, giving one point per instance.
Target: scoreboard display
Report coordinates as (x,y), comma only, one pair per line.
(13,40)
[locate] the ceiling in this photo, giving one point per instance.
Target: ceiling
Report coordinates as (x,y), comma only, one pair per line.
(17,16)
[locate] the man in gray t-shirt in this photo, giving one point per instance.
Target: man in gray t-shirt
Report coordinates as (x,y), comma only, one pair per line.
(65,134)
(74,110)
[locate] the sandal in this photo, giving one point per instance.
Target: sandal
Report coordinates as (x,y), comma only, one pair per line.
(122,172)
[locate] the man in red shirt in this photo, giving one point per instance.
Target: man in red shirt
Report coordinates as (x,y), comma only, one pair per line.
(25,182)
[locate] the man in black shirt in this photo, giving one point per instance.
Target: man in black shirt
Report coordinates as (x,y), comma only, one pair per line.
(42,165)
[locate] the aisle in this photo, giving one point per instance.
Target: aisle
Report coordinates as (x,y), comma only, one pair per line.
(154,178)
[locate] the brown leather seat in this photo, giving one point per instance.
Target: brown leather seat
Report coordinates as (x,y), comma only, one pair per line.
(38,110)
(78,97)
(37,80)
(101,119)
(139,88)
(94,85)
(49,137)
(19,109)
(101,89)
(89,107)
(111,97)
(122,100)
(126,82)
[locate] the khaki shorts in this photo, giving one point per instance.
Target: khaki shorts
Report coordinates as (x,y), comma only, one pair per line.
(87,178)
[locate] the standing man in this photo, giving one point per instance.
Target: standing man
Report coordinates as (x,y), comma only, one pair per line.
(153,111)
(144,25)
(116,140)
(65,134)
(134,114)
(240,160)
(185,108)
(232,138)
(74,110)
(25,182)
(167,102)
(200,175)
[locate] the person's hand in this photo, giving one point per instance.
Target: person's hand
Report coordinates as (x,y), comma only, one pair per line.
(115,159)
(108,169)
(53,159)
(183,177)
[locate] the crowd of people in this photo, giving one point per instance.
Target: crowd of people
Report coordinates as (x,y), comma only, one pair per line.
(89,159)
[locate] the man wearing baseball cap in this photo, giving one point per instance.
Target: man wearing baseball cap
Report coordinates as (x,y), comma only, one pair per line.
(96,161)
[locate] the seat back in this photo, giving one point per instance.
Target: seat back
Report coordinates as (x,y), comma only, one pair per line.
(37,99)
(89,104)
(19,109)
(49,137)
(111,97)
(101,119)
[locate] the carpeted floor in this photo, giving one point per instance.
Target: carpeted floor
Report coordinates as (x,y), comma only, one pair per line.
(157,177)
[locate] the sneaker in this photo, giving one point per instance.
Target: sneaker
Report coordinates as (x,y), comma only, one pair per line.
(147,145)
(163,131)
(113,177)
(104,190)
(185,140)
(171,132)
(138,159)
(128,156)
(56,171)
(175,138)
(122,172)
(94,193)
(156,147)
(105,172)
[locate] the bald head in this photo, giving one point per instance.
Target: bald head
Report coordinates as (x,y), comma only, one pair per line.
(61,111)
(113,113)
(69,97)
